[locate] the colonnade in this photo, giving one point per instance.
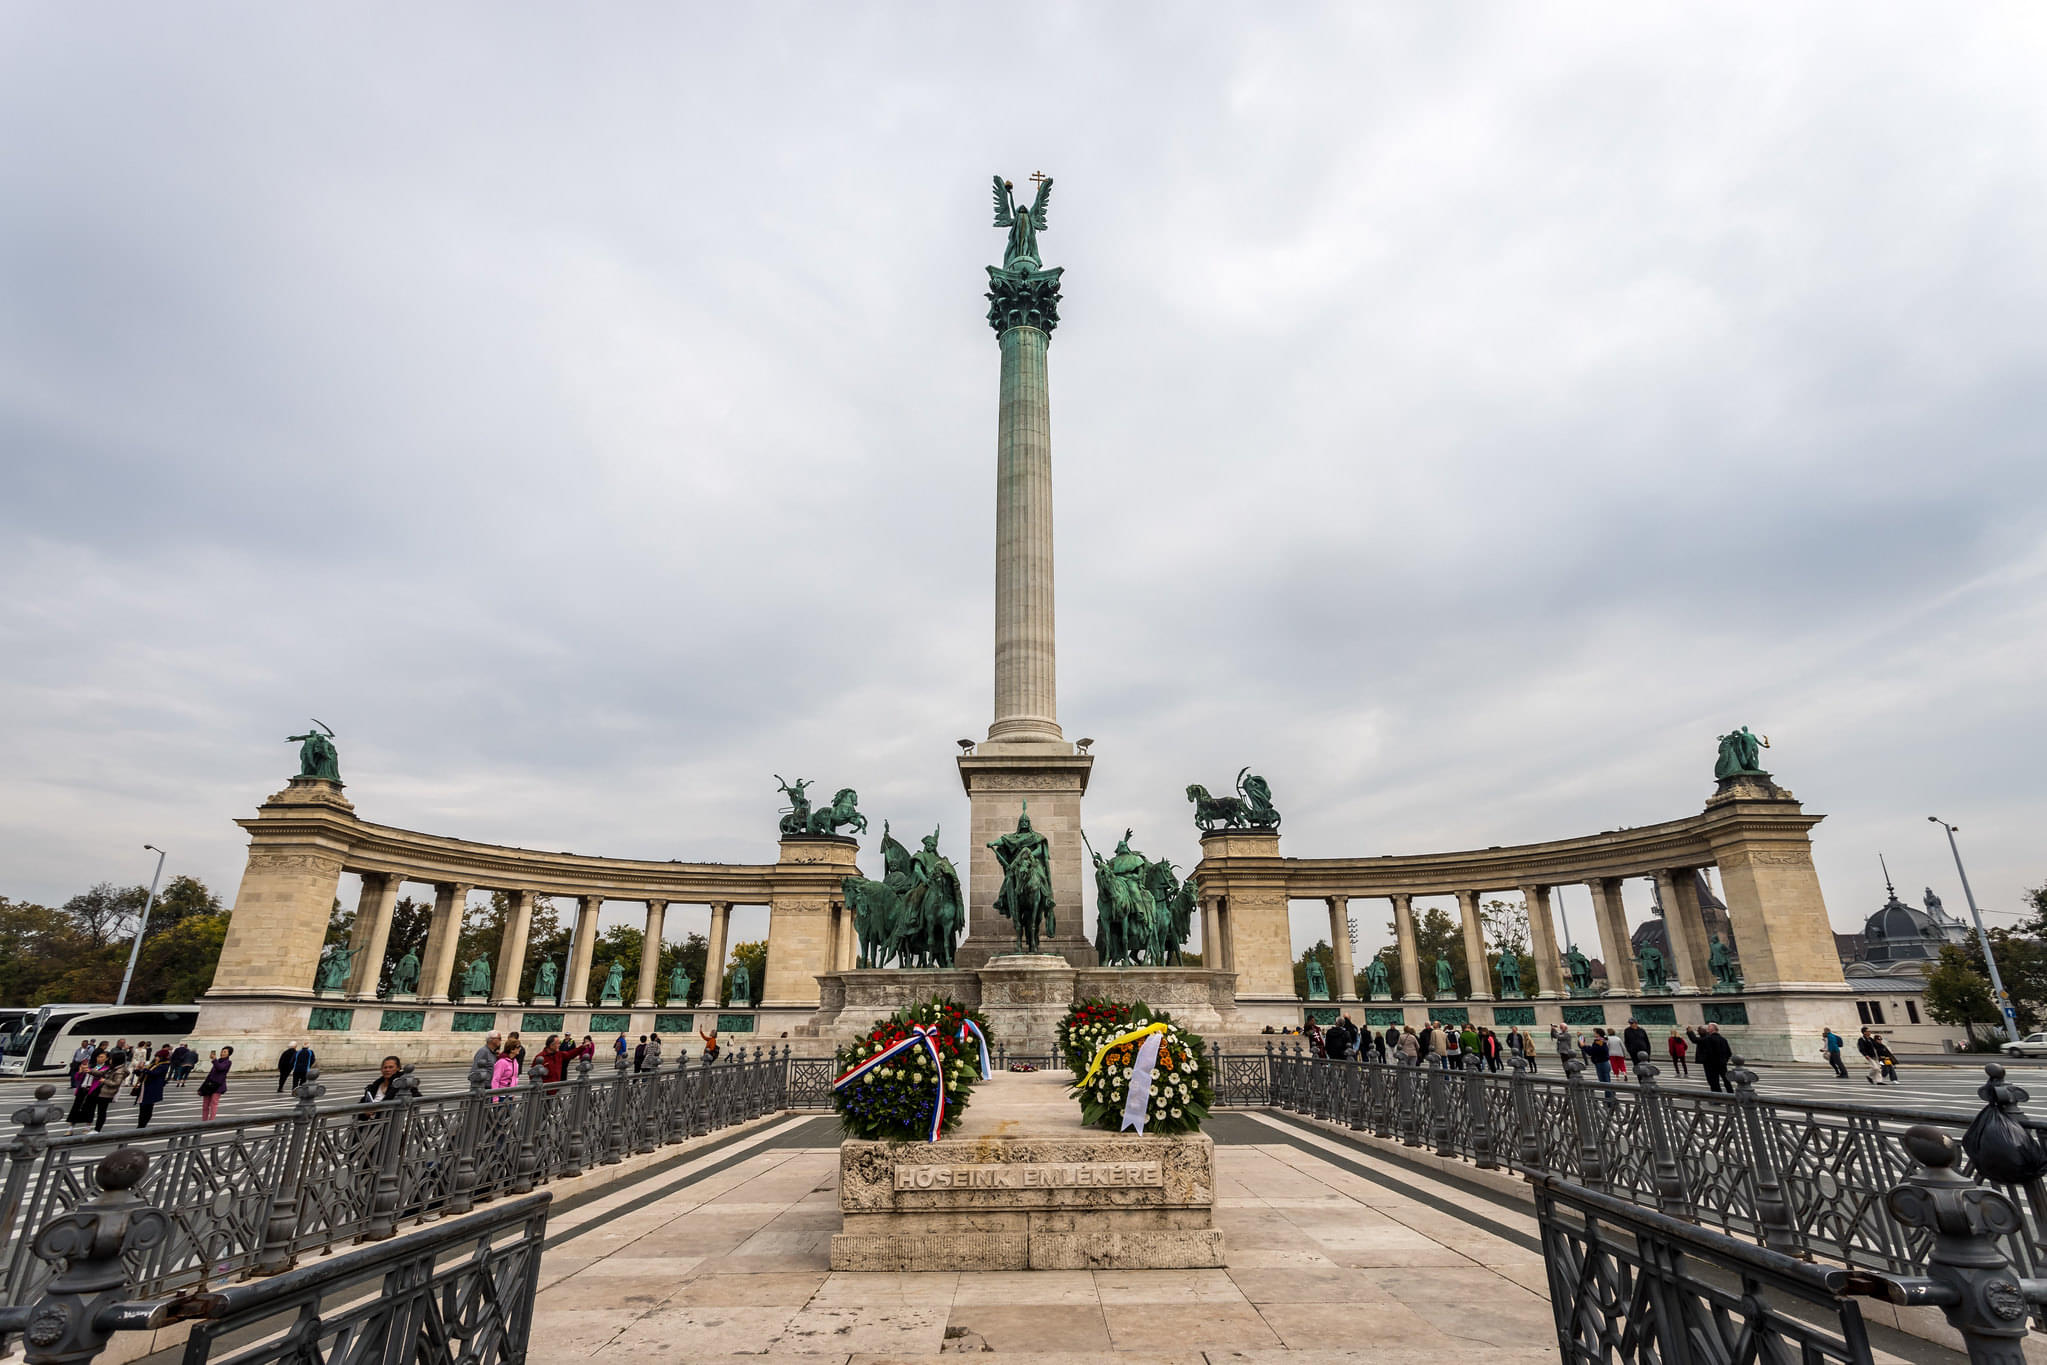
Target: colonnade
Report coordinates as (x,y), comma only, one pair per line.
(371,943)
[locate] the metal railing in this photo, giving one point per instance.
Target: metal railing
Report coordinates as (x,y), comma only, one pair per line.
(252,1195)
(1804,1178)
(461,1293)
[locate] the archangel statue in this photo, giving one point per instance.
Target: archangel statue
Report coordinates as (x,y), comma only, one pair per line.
(1024,224)
(317,757)
(1741,755)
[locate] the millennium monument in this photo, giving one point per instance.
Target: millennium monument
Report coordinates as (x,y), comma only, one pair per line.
(843,948)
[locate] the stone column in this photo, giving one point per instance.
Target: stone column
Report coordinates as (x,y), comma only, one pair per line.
(1611,919)
(714,956)
(848,937)
(1410,954)
(1212,954)
(298,843)
(512,952)
(443,940)
(1678,893)
(1782,936)
(1346,987)
(650,956)
(583,949)
(1542,943)
(1474,947)
(372,938)
(1026,689)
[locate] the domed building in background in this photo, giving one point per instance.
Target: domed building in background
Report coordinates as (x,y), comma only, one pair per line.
(1900,938)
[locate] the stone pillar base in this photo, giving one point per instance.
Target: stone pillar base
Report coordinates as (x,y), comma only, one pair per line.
(1001,781)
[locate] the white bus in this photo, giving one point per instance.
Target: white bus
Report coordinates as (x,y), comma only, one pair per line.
(44,1046)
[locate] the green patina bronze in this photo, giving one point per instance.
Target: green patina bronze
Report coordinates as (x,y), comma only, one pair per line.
(473,1021)
(1143,911)
(1585,1016)
(326,1017)
(402,1021)
(1655,968)
(334,968)
(1021,292)
(317,757)
(1446,979)
(1726,972)
(1580,968)
(674,1023)
(800,819)
(1318,982)
(1321,1017)
(1662,1015)
(735,1023)
(1510,975)
(540,1023)
(742,985)
(678,986)
(476,977)
(1508,1016)
(1458,1015)
(1025,857)
(1377,980)
(610,1023)
(913,916)
(1250,808)
(1724,1012)
(1388,1018)
(614,985)
(547,982)
(1741,755)
(405,973)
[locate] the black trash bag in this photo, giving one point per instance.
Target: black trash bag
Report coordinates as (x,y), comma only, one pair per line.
(2003,1149)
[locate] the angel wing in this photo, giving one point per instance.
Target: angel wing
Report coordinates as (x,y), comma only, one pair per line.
(1004,216)
(1038,205)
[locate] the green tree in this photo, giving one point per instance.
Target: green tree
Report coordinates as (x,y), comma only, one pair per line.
(547,939)
(755,955)
(693,952)
(620,943)
(1959,996)
(176,966)
(1505,926)
(107,913)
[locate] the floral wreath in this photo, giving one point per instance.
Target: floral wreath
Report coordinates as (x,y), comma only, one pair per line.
(1174,1066)
(910,1077)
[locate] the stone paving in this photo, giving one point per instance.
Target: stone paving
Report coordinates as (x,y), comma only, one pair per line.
(1331,1259)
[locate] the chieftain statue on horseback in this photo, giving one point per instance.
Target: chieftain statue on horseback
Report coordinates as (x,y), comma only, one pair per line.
(1026,895)
(1143,913)
(913,916)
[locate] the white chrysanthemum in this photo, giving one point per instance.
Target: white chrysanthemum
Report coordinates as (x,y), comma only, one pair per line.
(1176,1111)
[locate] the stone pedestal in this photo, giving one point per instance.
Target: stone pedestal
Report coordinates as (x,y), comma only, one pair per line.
(1000,779)
(1024,996)
(1023,1186)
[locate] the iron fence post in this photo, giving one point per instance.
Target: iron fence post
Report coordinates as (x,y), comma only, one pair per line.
(1380,1079)
(1528,1138)
(396,1113)
(614,1138)
(1591,1162)
(645,1129)
(576,1153)
(77,1313)
(1358,1083)
(1439,1109)
(31,1140)
(1773,1211)
(275,1257)
(1481,1125)
(526,1169)
(1410,1080)
(1968,1276)
(1271,1076)
(1670,1184)
(468,1133)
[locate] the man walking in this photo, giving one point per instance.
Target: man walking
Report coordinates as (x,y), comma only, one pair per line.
(653,1057)
(640,1056)
(302,1066)
(1714,1054)
(287,1062)
(1635,1042)
(487,1055)
(1830,1044)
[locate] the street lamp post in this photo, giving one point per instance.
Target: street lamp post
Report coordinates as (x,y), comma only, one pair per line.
(2011,1017)
(143,927)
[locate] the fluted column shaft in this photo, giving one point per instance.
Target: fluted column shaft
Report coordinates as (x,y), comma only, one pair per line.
(1410,953)
(650,955)
(1026,690)
(1345,987)
(443,939)
(1542,943)
(1474,947)
(714,956)
(512,952)
(587,908)
(372,937)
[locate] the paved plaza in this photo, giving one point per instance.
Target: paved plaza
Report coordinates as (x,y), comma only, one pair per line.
(1335,1254)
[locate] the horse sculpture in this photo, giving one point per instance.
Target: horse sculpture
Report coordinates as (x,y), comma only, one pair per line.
(1026,894)
(840,812)
(1250,808)
(913,916)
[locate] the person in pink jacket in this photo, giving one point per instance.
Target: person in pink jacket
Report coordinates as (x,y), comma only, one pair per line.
(505,1074)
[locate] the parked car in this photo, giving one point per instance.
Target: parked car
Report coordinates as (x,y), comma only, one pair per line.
(2032,1045)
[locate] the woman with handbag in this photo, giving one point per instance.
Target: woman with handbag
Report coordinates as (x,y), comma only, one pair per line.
(215,1084)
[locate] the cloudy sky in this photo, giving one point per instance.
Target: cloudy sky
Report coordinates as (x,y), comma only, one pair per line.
(1461,417)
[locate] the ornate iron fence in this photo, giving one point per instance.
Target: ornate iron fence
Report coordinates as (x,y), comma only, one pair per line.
(1804,1178)
(254,1194)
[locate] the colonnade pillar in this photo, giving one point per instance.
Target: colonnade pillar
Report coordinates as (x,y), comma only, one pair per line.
(846,952)
(1611,919)
(584,949)
(1474,947)
(1346,984)
(372,937)
(650,955)
(1410,954)
(1677,890)
(714,955)
(1212,954)
(1542,942)
(443,939)
(512,951)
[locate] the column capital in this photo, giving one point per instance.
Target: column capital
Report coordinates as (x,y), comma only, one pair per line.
(1019,296)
